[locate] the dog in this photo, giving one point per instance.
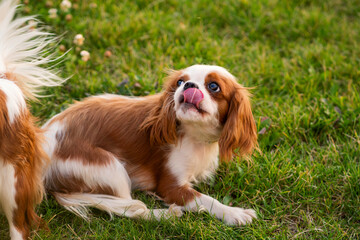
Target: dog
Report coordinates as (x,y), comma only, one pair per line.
(105,146)
(22,159)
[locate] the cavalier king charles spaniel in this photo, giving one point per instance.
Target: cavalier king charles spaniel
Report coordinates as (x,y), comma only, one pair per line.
(107,145)
(22,158)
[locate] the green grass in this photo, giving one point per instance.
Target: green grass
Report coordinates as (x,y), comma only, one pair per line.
(302,57)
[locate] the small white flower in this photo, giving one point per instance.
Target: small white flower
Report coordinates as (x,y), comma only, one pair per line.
(79,39)
(85,55)
(52,12)
(65,5)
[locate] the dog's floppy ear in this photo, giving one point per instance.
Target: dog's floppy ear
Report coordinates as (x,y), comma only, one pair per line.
(161,121)
(239,129)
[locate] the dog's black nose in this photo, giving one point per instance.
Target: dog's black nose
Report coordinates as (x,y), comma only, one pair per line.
(190,85)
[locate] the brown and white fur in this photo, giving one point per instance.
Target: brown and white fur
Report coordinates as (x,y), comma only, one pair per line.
(105,146)
(21,156)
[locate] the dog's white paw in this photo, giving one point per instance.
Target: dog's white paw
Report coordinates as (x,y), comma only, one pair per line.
(238,216)
(172,211)
(176,210)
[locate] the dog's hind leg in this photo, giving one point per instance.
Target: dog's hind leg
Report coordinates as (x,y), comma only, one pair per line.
(78,184)
(14,214)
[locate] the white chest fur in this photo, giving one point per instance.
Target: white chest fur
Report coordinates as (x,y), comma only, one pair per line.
(192,161)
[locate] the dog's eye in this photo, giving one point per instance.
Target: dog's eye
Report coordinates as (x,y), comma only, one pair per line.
(180,82)
(214,87)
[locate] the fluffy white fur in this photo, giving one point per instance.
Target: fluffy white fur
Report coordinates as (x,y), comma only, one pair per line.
(24,50)
(192,161)
(15,101)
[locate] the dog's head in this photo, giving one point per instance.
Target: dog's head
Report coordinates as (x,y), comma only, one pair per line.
(209,105)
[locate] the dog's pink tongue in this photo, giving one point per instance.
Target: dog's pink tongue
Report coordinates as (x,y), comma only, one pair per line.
(194,96)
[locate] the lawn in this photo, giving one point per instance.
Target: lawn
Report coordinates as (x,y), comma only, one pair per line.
(301,57)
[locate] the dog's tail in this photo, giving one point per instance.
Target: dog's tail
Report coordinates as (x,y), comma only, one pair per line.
(23,51)
(79,203)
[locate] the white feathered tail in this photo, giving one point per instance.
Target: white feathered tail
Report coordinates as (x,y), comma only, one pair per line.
(23,51)
(78,203)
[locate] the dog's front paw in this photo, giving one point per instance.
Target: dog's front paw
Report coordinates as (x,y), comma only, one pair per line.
(238,216)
